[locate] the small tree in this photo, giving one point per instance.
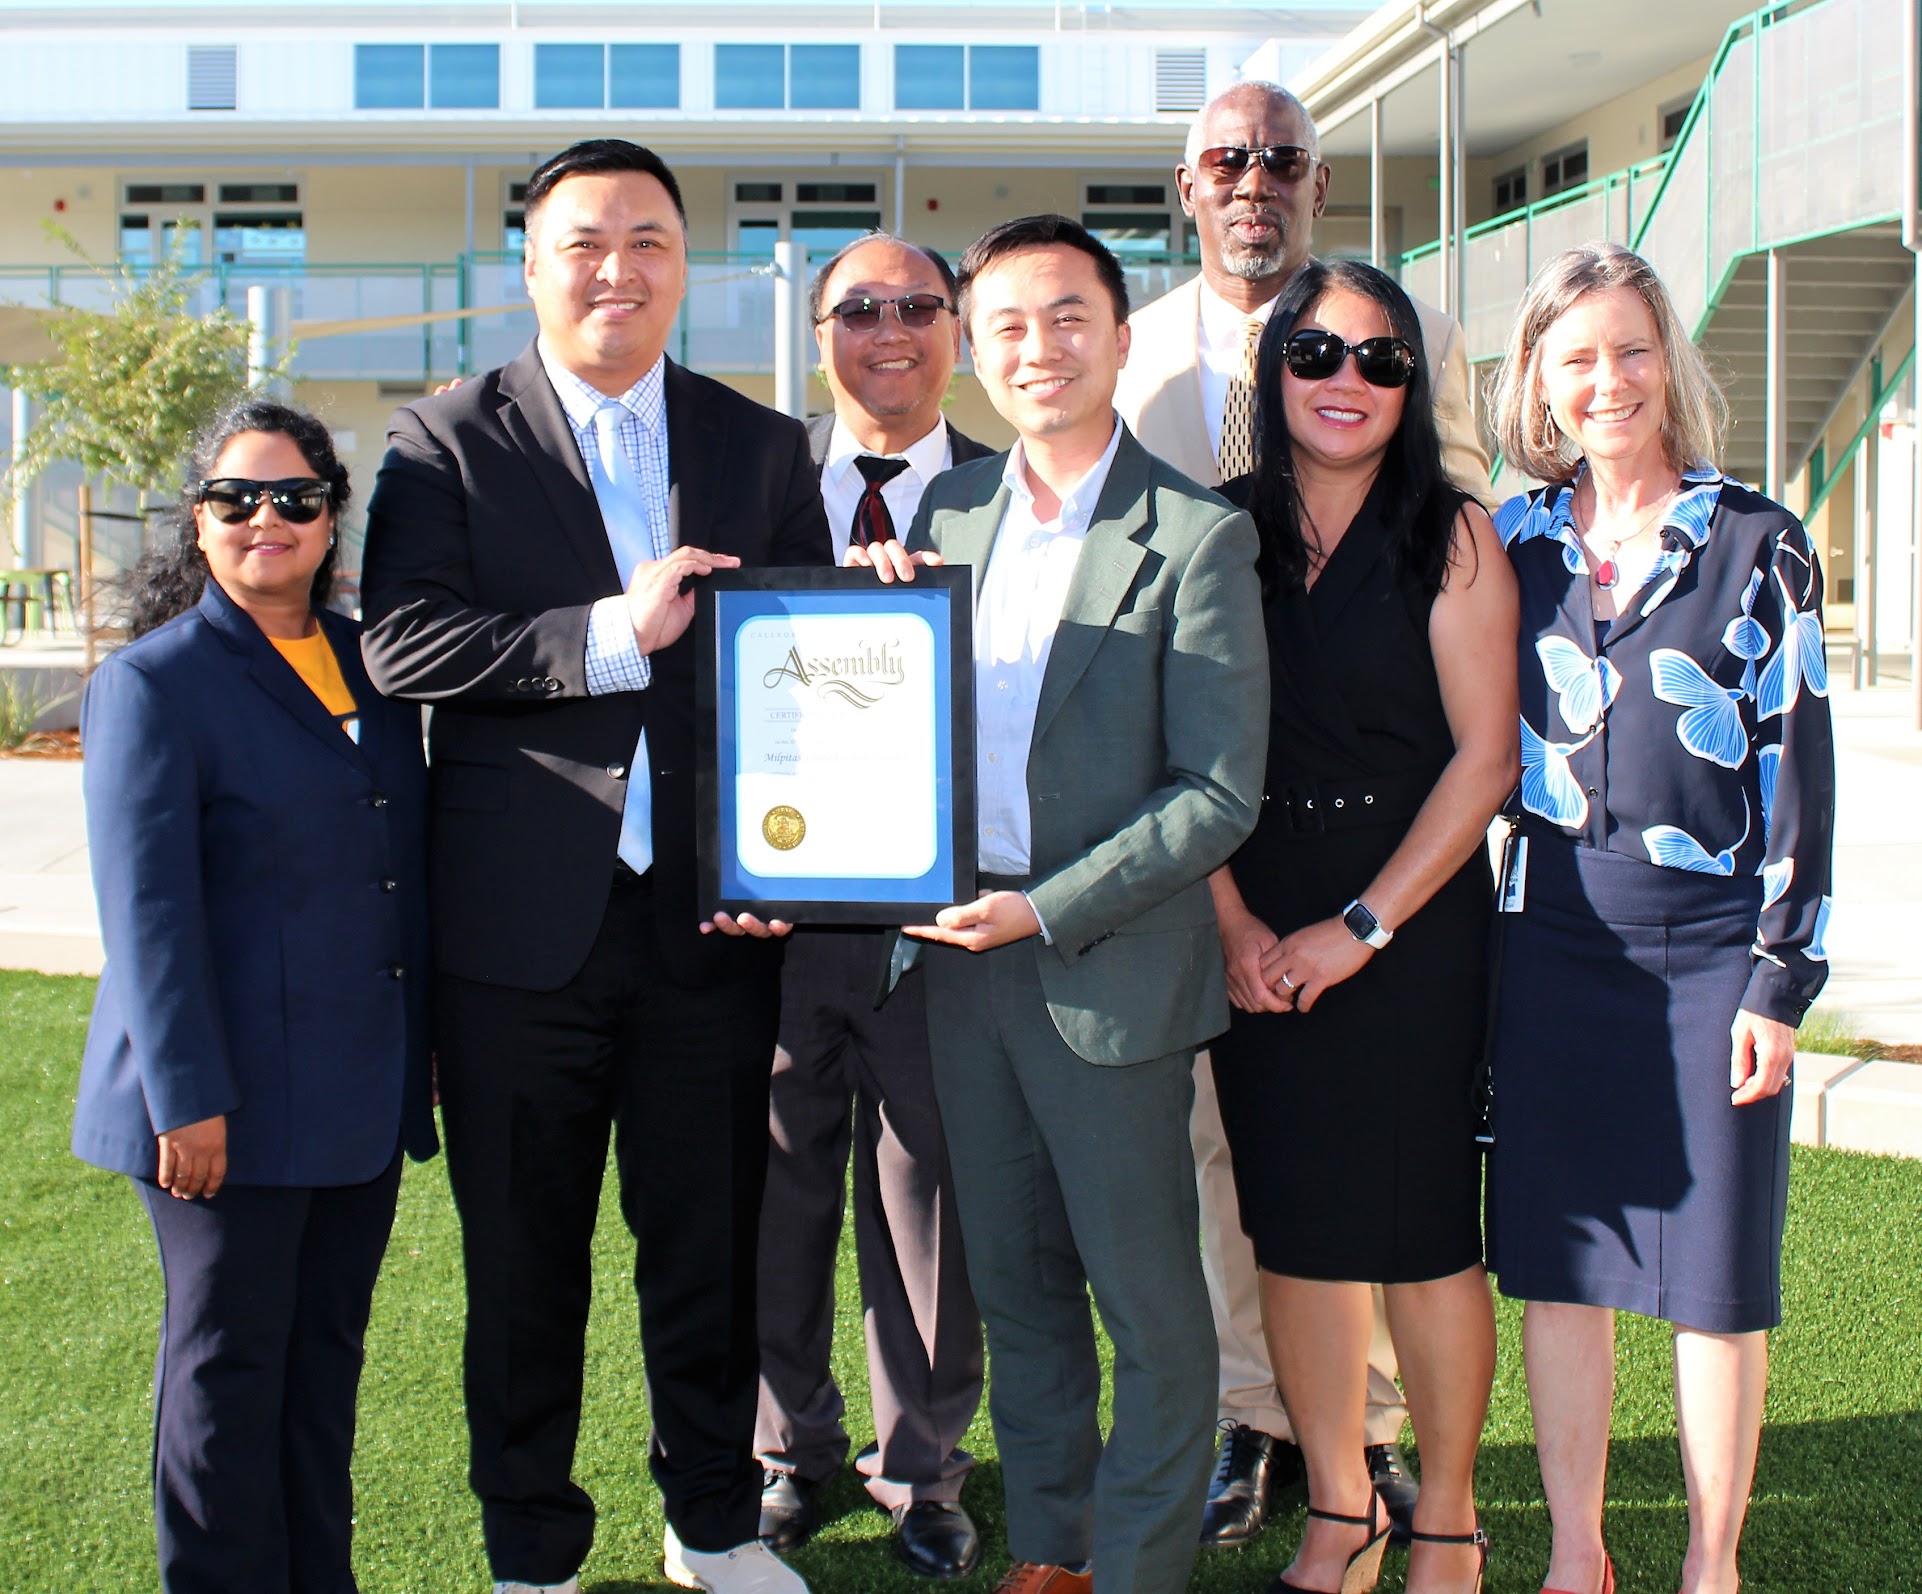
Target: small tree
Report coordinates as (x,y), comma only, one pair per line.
(126,391)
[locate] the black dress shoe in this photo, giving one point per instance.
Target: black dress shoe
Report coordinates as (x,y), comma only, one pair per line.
(936,1538)
(1397,1490)
(790,1510)
(1252,1469)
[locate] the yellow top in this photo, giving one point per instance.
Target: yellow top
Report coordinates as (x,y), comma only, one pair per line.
(313,660)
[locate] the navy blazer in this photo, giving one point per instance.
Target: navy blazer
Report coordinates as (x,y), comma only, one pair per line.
(263,902)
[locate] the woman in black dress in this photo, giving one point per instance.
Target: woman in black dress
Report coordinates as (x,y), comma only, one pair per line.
(1678,792)
(1347,1075)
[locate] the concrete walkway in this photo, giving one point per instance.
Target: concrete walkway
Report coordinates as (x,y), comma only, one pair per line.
(47,916)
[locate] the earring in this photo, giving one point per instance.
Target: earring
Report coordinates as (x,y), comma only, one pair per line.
(332,538)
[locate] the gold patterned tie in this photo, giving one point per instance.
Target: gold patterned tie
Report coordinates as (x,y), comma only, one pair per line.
(1237,454)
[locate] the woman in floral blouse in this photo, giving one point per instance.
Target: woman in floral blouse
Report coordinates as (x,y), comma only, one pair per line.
(1667,896)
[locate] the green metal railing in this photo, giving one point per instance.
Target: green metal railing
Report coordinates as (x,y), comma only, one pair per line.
(1630,181)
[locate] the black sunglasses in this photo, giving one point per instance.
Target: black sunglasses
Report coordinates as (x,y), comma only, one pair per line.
(233,499)
(1381,362)
(1287,163)
(916,310)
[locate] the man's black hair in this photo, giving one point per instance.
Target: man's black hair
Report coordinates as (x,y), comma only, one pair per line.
(596,155)
(1036,232)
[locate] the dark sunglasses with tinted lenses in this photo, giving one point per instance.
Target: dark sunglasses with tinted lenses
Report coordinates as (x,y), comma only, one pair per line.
(233,499)
(1287,163)
(1382,362)
(916,310)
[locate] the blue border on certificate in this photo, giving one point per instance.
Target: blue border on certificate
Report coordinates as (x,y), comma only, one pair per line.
(734,610)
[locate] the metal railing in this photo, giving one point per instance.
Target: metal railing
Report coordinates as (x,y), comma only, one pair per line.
(1795,132)
(726,324)
(1500,255)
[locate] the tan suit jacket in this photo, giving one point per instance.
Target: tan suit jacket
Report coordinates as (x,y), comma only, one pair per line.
(1159,394)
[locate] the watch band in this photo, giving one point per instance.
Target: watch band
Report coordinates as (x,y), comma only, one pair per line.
(1364,926)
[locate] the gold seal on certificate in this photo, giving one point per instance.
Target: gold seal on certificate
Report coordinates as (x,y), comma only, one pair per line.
(783,828)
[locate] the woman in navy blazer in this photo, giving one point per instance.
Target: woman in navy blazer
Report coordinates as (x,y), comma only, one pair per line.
(258,1057)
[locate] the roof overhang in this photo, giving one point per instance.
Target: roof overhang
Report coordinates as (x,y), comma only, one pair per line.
(1527,66)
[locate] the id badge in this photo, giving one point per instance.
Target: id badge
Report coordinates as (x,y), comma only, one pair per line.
(1514,874)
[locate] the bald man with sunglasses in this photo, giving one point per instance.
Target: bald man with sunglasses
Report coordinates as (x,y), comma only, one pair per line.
(1254,182)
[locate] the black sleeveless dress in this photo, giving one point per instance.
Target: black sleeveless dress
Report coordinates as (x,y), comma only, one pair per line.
(1352,1126)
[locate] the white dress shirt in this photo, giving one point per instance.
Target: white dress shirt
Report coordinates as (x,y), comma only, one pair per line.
(614,661)
(1218,342)
(1015,619)
(842,485)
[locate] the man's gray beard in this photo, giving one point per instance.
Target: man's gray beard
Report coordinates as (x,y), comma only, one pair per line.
(1251,267)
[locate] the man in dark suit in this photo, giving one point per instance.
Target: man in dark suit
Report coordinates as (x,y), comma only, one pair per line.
(883,313)
(531,544)
(1121,712)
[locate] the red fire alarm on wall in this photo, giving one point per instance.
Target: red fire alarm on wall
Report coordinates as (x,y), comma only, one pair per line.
(934,204)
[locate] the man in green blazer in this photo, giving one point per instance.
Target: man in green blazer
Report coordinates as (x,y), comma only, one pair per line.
(1121,690)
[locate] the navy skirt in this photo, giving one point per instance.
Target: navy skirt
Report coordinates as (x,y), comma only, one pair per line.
(1621,1176)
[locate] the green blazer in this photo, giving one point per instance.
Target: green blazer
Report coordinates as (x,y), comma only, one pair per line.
(1149,747)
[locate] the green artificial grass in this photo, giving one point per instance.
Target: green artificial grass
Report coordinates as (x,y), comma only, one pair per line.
(1835,1495)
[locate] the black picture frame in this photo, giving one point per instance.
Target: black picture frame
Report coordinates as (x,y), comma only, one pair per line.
(935,614)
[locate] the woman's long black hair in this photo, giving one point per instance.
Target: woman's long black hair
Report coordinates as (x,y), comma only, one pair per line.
(169,578)
(1421,518)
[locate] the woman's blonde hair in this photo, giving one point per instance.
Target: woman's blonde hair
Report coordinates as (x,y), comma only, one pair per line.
(1694,412)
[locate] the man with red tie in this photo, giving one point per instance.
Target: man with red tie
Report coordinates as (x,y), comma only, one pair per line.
(883,312)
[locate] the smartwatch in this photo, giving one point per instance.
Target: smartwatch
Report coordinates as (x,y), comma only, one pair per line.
(1364,926)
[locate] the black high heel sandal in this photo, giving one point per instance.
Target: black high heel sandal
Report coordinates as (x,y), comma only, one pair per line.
(1363,1570)
(1479,1538)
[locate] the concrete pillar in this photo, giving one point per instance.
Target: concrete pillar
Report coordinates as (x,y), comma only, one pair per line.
(1377,207)
(790,328)
(1775,344)
(1868,474)
(23,539)
(269,315)
(1445,169)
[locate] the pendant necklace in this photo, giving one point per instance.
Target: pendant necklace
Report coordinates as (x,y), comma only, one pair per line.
(1607,571)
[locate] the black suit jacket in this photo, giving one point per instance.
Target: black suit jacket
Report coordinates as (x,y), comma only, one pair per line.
(821,430)
(485,552)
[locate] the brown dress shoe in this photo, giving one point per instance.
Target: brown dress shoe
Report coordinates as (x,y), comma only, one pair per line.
(1029,1577)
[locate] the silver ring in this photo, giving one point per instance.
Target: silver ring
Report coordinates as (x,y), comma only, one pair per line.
(1289,983)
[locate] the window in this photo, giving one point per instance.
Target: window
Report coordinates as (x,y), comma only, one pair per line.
(449,77)
(514,219)
(212,71)
(1672,118)
(1564,169)
(1139,218)
(750,77)
(1511,190)
(586,77)
(259,193)
(254,237)
(390,77)
(930,77)
(824,216)
(570,77)
(1181,80)
(464,77)
(166,193)
(644,76)
(824,77)
(976,77)
(801,77)
(1004,77)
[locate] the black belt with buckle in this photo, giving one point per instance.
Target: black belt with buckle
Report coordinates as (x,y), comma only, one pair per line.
(1318,805)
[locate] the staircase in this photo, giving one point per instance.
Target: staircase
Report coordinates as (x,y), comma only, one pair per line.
(1794,145)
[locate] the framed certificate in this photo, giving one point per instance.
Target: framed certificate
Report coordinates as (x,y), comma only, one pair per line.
(836,743)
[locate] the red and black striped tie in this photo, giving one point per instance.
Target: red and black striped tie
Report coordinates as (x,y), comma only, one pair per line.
(872,522)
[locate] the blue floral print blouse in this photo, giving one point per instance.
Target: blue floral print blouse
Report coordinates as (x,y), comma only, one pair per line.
(1693,731)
